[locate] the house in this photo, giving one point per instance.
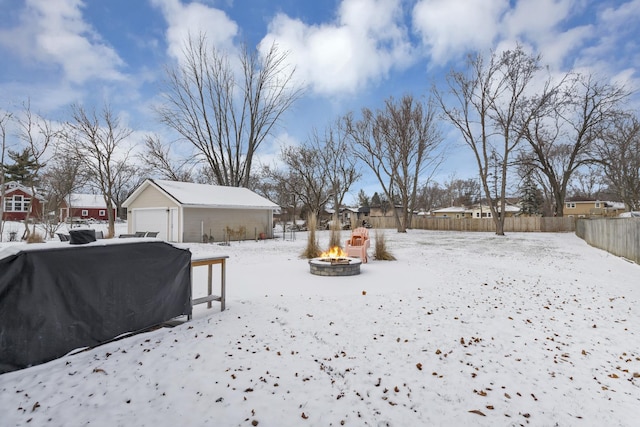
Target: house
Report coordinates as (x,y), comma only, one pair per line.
(358,214)
(483,211)
(477,211)
(84,207)
(592,208)
(452,212)
(384,211)
(20,200)
(189,212)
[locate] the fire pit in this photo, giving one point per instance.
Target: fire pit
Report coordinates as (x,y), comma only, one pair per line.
(334,263)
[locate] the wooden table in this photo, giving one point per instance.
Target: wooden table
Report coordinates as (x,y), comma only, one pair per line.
(209,262)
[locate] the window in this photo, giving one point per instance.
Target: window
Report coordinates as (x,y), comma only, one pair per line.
(570,205)
(85,212)
(101,212)
(17,203)
(597,204)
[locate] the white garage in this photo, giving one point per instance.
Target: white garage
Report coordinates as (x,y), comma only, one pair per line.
(189,212)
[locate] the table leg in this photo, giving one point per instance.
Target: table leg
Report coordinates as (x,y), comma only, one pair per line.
(223,289)
(209,279)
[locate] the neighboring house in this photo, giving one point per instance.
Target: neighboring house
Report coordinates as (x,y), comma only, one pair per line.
(475,212)
(359,214)
(188,212)
(84,207)
(378,211)
(592,208)
(452,212)
(483,211)
(18,201)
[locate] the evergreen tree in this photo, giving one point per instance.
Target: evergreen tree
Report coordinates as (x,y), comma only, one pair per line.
(363,199)
(531,198)
(375,200)
(24,168)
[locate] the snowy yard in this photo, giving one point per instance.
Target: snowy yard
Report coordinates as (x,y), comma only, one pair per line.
(464,329)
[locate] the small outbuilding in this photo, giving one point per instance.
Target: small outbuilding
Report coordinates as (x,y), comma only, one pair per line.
(189,212)
(84,207)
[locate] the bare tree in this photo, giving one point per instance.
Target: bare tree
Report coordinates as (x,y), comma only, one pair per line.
(400,144)
(4,121)
(158,160)
(61,177)
(128,178)
(334,161)
(318,171)
(586,183)
(619,154)
(489,106)
(97,141)
(227,116)
(303,180)
(562,136)
(38,135)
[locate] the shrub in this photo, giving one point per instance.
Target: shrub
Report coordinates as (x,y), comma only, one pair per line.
(35,238)
(313,249)
(334,237)
(380,249)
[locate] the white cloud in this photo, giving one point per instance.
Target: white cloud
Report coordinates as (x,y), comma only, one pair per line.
(192,19)
(540,23)
(449,28)
(536,18)
(452,27)
(616,51)
(54,32)
(364,43)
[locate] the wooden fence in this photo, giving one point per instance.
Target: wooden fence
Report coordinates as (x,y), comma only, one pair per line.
(619,236)
(511,224)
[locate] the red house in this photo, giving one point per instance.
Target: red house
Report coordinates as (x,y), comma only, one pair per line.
(85,206)
(18,201)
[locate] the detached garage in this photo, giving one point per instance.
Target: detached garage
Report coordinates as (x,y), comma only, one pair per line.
(188,212)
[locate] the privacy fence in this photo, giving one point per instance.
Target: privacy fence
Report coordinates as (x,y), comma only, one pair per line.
(619,236)
(511,224)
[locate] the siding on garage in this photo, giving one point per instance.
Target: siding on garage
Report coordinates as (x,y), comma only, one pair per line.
(151,197)
(214,222)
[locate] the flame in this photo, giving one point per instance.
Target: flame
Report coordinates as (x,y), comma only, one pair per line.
(334,253)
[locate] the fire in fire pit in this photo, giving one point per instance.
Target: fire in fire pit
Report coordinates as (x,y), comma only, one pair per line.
(335,262)
(335,255)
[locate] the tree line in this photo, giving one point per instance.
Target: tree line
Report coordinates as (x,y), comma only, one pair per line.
(526,127)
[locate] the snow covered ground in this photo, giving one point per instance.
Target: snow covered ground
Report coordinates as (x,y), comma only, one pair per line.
(463,329)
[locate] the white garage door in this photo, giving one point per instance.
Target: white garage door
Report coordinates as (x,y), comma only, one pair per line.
(162,220)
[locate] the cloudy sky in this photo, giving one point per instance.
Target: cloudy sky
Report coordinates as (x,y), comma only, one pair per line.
(349,53)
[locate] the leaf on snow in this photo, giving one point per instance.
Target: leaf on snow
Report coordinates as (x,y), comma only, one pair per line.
(477,412)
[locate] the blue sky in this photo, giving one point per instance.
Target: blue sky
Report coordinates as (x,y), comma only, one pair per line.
(349,53)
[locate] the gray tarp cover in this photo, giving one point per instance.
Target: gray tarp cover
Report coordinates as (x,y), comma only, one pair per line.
(53,301)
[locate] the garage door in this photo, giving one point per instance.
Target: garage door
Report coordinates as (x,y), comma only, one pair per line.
(162,220)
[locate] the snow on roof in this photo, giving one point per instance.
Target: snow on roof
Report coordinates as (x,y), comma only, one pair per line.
(205,195)
(77,200)
(510,208)
(452,209)
(11,186)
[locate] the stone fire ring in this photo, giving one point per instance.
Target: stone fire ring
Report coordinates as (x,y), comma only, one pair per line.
(320,267)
